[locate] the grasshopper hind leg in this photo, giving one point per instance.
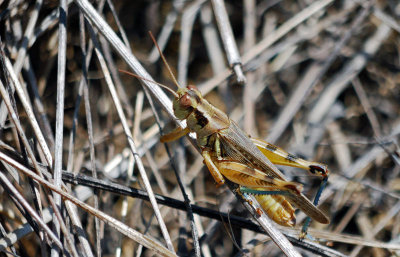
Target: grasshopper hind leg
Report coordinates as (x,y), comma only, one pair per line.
(269,192)
(279,156)
(307,222)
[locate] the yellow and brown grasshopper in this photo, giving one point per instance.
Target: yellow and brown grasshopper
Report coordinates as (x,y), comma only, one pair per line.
(229,153)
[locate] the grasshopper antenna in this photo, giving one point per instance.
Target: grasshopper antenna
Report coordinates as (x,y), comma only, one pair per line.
(165,61)
(149,80)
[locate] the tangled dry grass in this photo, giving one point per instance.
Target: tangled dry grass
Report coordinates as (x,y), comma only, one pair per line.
(318,78)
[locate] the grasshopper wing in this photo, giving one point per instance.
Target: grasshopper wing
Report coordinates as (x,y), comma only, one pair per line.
(237,145)
(302,202)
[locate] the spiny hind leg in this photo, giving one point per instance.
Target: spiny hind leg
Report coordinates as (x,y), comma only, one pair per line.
(279,156)
(269,192)
(244,175)
(307,222)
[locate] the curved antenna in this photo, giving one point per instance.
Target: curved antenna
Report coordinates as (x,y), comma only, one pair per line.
(149,80)
(165,61)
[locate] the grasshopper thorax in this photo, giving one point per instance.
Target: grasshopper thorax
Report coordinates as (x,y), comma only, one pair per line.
(186,102)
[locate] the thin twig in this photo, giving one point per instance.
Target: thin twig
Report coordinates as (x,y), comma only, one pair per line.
(130,141)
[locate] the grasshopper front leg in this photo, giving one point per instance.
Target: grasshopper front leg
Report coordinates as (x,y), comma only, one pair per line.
(180,132)
(174,134)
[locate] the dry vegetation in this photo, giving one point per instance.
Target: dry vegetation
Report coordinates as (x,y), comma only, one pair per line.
(318,78)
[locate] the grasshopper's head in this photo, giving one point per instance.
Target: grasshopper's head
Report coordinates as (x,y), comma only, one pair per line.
(186,101)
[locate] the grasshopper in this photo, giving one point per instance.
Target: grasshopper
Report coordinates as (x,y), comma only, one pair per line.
(229,153)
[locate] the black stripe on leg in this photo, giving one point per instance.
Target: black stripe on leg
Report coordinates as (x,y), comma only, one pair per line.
(291,157)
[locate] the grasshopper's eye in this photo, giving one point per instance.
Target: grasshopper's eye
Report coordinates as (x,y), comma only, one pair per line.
(183,105)
(192,87)
(185,101)
(194,93)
